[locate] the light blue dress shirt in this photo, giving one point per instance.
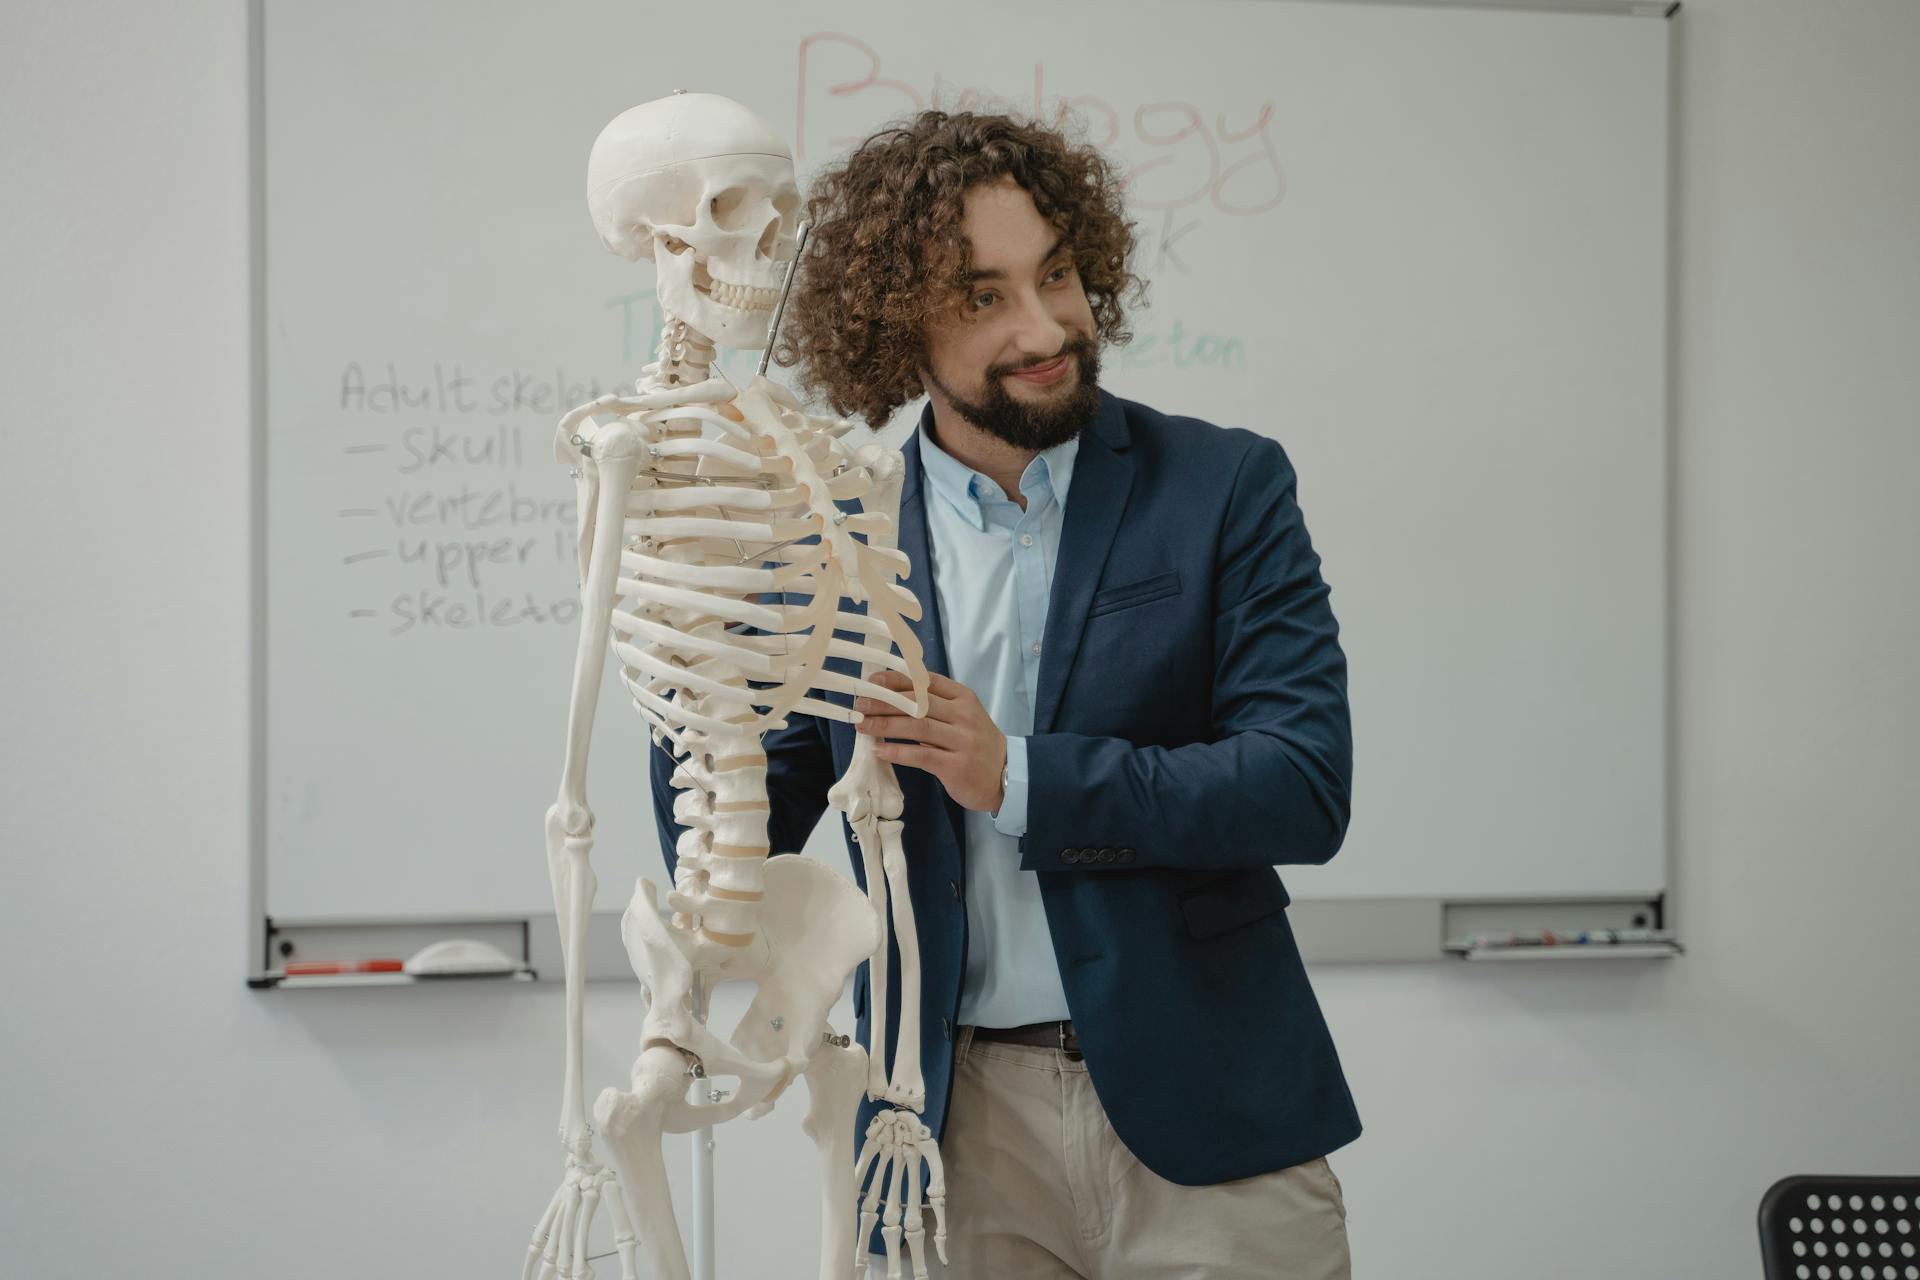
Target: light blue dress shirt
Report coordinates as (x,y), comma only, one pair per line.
(993,574)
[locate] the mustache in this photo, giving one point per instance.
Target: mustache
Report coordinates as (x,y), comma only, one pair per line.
(1078,348)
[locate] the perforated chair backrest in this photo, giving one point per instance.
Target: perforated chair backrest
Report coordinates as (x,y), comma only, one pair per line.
(1820,1228)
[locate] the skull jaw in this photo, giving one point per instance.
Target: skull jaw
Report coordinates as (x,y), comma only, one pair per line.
(739,328)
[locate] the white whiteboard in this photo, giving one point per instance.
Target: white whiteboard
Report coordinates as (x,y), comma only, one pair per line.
(1425,248)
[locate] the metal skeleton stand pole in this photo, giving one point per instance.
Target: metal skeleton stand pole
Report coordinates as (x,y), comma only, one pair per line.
(702,1159)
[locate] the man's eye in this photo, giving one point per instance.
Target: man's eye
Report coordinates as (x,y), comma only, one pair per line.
(1058,273)
(980,301)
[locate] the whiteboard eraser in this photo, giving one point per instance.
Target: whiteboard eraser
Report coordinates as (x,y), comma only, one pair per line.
(460,957)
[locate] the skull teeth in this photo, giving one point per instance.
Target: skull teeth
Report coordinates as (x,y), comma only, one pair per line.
(742,297)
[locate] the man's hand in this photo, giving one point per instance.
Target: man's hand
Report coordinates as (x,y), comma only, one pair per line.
(956,741)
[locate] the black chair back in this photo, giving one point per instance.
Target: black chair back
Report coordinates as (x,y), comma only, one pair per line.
(1832,1228)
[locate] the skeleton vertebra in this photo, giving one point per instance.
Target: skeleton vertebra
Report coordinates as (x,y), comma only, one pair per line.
(697,503)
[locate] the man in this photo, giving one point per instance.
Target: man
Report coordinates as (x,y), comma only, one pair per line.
(1139,707)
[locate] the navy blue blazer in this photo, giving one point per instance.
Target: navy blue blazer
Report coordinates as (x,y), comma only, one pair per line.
(1191,731)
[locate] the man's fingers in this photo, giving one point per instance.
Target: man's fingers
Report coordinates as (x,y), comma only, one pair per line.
(938,732)
(936,683)
(942,687)
(938,708)
(888,680)
(931,759)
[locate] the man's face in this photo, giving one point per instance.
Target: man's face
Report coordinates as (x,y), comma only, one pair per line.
(1025,311)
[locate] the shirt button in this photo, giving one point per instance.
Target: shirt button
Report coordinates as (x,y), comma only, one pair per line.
(1035,648)
(1026,539)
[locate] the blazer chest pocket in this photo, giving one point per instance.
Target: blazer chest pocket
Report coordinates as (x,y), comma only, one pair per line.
(1129,595)
(1230,901)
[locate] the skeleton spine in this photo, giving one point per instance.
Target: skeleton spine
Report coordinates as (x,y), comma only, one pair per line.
(722,856)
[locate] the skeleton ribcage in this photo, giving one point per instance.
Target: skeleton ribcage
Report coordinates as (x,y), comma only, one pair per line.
(734,566)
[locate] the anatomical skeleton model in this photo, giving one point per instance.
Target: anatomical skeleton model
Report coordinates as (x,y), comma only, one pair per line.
(697,502)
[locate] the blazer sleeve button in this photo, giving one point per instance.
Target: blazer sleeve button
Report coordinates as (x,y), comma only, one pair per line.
(1126,855)
(1106,855)
(1069,855)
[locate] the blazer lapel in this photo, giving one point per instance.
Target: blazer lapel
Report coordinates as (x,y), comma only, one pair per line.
(911,532)
(911,535)
(1102,479)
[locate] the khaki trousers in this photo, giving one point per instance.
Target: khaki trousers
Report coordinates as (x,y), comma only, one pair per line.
(1039,1187)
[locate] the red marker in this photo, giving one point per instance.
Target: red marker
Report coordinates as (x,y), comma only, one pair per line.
(310,968)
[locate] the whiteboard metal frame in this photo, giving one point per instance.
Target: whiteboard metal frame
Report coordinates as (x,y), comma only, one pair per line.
(257,962)
(1606,8)
(1328,930)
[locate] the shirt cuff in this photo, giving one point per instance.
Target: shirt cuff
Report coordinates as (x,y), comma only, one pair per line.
(1011,820)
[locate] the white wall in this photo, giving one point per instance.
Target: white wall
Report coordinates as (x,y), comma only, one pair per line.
(160,1119)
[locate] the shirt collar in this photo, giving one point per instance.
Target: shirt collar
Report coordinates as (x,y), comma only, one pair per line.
(954,479)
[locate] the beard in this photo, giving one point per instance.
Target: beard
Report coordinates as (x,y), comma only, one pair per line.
(1033,426)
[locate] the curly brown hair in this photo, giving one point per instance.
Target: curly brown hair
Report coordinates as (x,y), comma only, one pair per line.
(885,253)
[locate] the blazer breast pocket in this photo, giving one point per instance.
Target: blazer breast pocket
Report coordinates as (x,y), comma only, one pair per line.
(1131,595)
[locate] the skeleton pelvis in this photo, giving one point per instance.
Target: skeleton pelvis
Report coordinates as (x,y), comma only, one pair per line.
(815,926)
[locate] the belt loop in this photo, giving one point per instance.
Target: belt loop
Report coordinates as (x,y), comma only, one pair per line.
(962,1044)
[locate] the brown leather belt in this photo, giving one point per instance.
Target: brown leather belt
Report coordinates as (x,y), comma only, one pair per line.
(1044,1035)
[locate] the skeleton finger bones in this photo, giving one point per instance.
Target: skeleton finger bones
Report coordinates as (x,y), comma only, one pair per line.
(897,1145)
(559,1248)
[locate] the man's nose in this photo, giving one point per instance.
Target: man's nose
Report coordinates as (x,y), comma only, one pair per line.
(1039,336)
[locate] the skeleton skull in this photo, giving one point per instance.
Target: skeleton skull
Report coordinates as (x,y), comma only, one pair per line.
(704,188)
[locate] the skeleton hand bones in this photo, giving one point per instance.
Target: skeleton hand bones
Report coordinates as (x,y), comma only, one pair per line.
(897,1144)
(559,1248)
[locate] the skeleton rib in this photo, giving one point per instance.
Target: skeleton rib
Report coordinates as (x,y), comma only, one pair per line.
(675,714)
(827,710)
(698,413)
(693,497)
(699,574)
(753,615)
(750,660)
(689,527)
(685,676)
(700,447)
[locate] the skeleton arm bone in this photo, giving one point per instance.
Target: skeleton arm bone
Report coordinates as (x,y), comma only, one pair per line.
(561,1234)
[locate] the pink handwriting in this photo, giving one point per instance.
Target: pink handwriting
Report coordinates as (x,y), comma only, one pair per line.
(1179,152)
